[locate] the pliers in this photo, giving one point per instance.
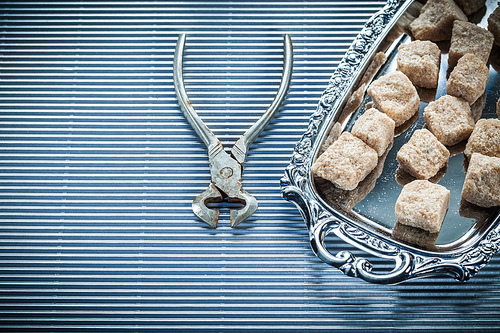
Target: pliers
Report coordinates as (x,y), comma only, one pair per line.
(226,170)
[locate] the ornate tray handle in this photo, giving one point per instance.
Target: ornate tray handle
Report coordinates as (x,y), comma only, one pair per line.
(345,261)
(348,264)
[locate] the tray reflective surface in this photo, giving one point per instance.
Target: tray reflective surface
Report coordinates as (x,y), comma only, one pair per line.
(365,216)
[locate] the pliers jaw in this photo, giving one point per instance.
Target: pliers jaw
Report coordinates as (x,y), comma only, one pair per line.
(226,174)
(209,216)
(250,206)
(212,195)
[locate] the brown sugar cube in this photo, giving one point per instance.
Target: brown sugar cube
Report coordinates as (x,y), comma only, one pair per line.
(485,138)
(482,181)
(346,162)
(395,95)
(469,38)
(423,205)
(423,155)
(376,129)
(420,61)
(494,24)
(470,6)
(477,107)
(450,119)
(344,199)
(468,79)
(435,21)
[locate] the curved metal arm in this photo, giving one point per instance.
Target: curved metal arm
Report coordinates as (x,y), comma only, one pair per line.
(240,148)
(407,265)
(205,134)
(359,267)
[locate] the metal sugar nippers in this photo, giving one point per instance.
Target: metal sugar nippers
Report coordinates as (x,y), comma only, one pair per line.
(226,170)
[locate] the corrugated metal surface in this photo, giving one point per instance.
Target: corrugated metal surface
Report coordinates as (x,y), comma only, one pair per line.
(98,169)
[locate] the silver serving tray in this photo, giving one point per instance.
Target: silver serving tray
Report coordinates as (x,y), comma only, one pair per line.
(470,235)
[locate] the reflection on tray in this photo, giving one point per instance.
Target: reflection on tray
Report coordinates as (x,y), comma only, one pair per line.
(471,211)
(403,177)
(414,236)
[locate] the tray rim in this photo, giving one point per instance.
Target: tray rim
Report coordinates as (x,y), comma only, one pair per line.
(321,219)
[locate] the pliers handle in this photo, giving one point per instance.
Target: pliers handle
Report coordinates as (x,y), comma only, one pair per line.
(226,170)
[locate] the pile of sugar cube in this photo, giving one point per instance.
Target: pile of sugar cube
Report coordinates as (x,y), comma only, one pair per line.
(451,119)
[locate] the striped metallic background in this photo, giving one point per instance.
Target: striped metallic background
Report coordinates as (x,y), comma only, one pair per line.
(98,169)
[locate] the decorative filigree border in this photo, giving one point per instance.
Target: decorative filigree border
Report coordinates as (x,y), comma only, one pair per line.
(296,185)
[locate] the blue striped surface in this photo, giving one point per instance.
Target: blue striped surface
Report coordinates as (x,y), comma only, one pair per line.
(98,168)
